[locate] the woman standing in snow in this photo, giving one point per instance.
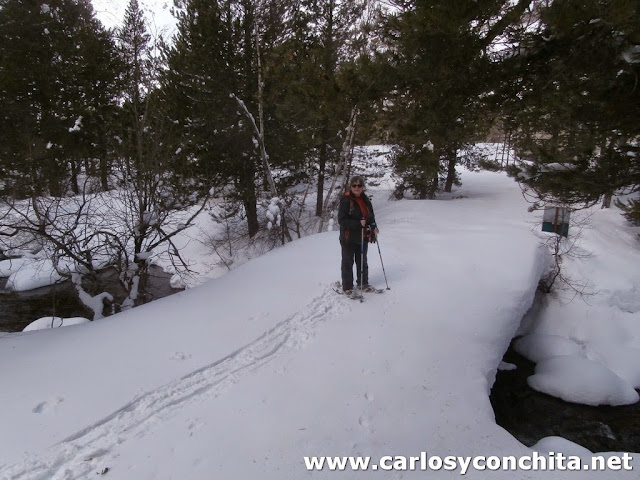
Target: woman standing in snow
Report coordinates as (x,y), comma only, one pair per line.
(357,228)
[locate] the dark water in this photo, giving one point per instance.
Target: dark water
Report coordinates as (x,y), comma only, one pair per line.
(19,309)
(530,415)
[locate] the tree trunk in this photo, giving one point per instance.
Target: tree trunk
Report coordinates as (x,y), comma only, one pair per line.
(451,170)
(260,128)
(247,191)
(74,177)
(56,181)
(435,182)
(346,155)
(329,67)
(252,215)
(143,281)
(104,174)
(322,165)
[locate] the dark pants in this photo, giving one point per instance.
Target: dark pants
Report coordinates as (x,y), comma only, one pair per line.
(351,252)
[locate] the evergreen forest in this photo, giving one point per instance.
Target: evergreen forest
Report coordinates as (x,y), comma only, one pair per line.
(113,141)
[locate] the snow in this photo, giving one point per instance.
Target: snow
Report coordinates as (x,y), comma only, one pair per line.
(10,266)
(596,337)
(77,125)
(54,322)
(95,303)
(273,213)
(549,167)
(632,54)
(506,366)
(559,444)
(30,274)
(248,373)
(580,380)
(176,281)
(621,359)
(538,347)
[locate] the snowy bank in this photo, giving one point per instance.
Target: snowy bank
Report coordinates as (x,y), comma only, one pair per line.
(588,348)
(247,374)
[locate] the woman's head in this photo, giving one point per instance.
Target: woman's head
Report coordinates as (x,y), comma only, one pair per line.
(357,184)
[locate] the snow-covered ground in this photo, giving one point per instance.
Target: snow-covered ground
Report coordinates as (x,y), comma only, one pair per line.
(247,374)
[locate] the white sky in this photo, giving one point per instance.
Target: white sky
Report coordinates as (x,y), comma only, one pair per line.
(243,376)
(158,13)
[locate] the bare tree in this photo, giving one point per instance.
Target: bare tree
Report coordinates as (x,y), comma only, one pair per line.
(562,248)
(340,176)
(122,229)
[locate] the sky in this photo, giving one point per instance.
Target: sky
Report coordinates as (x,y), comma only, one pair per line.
(247,373)
(157,13)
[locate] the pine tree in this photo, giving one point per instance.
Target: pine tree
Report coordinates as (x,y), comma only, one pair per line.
(440,54)
(56,86)
(573,91)
(322,35)
(208,69)
(136,54)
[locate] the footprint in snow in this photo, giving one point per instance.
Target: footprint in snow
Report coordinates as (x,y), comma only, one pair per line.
(47,406)
(180,356)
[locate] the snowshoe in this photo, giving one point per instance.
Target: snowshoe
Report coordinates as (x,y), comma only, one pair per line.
(354,294)
(371,289)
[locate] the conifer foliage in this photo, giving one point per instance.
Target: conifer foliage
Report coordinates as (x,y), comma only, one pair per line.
(56,89)
(107,138)
(573,97)
(440,54)
(212,66)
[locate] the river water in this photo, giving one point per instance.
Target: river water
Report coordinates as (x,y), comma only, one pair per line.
(530,415)
(19,309)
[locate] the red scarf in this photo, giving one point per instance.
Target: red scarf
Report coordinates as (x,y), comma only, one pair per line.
(363,207)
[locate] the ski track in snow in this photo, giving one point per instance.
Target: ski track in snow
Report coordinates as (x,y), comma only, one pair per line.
(76,457)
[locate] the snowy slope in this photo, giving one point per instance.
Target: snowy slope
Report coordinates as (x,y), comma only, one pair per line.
(242,377)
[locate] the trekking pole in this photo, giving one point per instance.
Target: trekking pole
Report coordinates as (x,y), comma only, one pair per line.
(361,264)
(382,263)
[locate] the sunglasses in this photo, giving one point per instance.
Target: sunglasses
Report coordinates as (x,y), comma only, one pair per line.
(359,185)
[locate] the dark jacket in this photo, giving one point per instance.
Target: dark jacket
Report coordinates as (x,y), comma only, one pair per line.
(349,216)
